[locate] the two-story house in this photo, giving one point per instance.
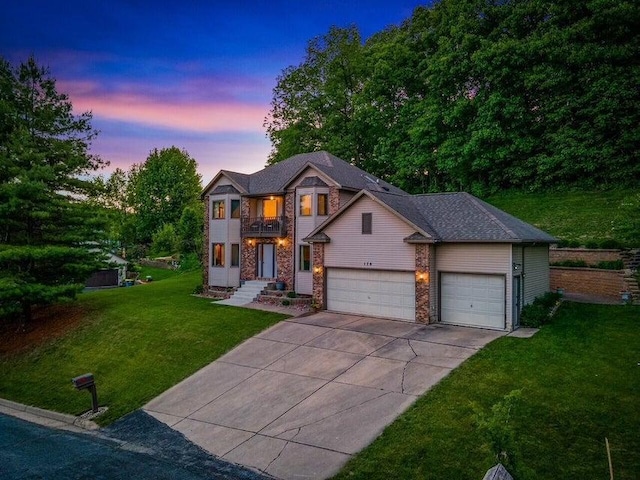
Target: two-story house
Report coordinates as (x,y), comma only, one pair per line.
(361,245)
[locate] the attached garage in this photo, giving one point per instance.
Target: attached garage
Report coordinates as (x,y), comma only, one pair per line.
(473,299)
(378,293)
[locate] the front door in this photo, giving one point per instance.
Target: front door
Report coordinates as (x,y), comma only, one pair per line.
(266,260)
(516,301)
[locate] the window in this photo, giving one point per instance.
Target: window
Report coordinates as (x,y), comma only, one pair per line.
(218,209)
(217,255)
(323,204)
(235,208)
(305,205)
(305,258)
(235,254)
(366,224)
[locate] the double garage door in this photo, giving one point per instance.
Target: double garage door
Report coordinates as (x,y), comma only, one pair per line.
(474,300)
(377,293)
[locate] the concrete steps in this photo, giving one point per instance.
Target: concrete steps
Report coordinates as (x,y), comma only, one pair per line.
(247,293)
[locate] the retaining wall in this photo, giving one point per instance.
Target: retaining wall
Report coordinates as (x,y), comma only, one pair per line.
(606,284)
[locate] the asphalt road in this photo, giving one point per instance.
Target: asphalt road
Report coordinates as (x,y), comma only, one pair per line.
(135,447)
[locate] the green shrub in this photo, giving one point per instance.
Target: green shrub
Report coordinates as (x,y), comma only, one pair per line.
(592,244)
(533,315)
(198,289)
(563,243)
(610,265)
(573,244)
(610,243)
(286,303)
(291,294)
(537,313)
(190,262)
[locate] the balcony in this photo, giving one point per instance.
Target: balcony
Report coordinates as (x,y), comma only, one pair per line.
(263,227)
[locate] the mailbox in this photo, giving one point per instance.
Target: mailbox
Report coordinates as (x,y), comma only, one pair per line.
(87,382)
(83,381)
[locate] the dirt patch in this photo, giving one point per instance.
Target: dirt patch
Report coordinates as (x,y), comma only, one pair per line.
(48,324)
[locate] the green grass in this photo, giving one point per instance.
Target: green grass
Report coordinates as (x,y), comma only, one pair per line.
(580,382)
(579,216)
(137,341)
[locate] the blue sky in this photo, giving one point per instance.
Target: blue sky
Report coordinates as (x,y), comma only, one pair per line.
(194,74)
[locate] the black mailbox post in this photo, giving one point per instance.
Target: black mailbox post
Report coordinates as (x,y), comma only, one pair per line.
(87,382)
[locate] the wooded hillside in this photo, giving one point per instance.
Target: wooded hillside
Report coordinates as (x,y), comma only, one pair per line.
(475,95)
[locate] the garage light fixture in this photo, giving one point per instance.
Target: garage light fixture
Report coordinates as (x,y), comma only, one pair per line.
(422,277)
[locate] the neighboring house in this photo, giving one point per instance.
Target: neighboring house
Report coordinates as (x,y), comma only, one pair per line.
(360,245)
(113,276)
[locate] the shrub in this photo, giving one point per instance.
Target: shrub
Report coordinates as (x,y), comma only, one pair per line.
(536,314)
(286,303)
(198,289)
(610,243)
(533,316)
(291,294)
(573,244)
(592,244)
(610,265)
(563,243)
(190,262)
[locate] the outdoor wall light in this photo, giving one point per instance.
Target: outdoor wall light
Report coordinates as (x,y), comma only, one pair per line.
(317,269)
(281,241)
(422,276)
(250,242)
(517,266)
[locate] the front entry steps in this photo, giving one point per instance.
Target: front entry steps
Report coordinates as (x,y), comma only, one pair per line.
(246,294)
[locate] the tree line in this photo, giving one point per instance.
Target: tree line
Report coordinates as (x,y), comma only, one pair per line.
(475,95)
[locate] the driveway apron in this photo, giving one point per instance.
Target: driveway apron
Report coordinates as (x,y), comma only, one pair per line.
(299,399)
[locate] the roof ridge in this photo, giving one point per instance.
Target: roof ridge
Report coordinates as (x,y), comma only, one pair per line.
(492,217)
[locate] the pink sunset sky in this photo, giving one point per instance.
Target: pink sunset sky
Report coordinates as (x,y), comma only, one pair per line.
(198,75)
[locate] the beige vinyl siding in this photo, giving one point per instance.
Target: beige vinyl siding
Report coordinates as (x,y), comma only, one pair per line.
(536,272)
(383,249)
(489,258)
(304,226)
(227,231)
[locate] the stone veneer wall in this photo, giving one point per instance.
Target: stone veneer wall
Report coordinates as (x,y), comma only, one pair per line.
(318,275)
(248,252)
(606,284)
(422,286)
(284,253)
(334,200)
(207,242)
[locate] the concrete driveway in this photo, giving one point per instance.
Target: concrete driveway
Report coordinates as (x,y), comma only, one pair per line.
(299,399)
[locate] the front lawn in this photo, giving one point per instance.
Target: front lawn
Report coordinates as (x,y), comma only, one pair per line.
(137,341)
(580,381)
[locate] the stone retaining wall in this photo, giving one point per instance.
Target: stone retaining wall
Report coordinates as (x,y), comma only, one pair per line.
(590,256)
(589,281)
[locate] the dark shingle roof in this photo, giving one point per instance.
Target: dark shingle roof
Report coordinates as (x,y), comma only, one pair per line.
(461,217)
(224,189)
(276,177)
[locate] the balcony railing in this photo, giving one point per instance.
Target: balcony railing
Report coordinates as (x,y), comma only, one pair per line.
(264,227)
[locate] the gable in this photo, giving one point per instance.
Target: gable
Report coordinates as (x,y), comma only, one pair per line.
(384,248)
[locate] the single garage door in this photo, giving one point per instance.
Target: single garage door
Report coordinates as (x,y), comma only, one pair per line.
(378,293)
(474,300)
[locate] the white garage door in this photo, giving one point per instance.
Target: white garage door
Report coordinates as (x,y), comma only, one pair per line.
(475,300)
(372,292)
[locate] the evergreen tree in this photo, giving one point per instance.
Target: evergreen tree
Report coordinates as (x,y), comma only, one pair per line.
(48,234)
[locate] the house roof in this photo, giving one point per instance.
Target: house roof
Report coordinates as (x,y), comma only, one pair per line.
(452,217)
(275,178)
